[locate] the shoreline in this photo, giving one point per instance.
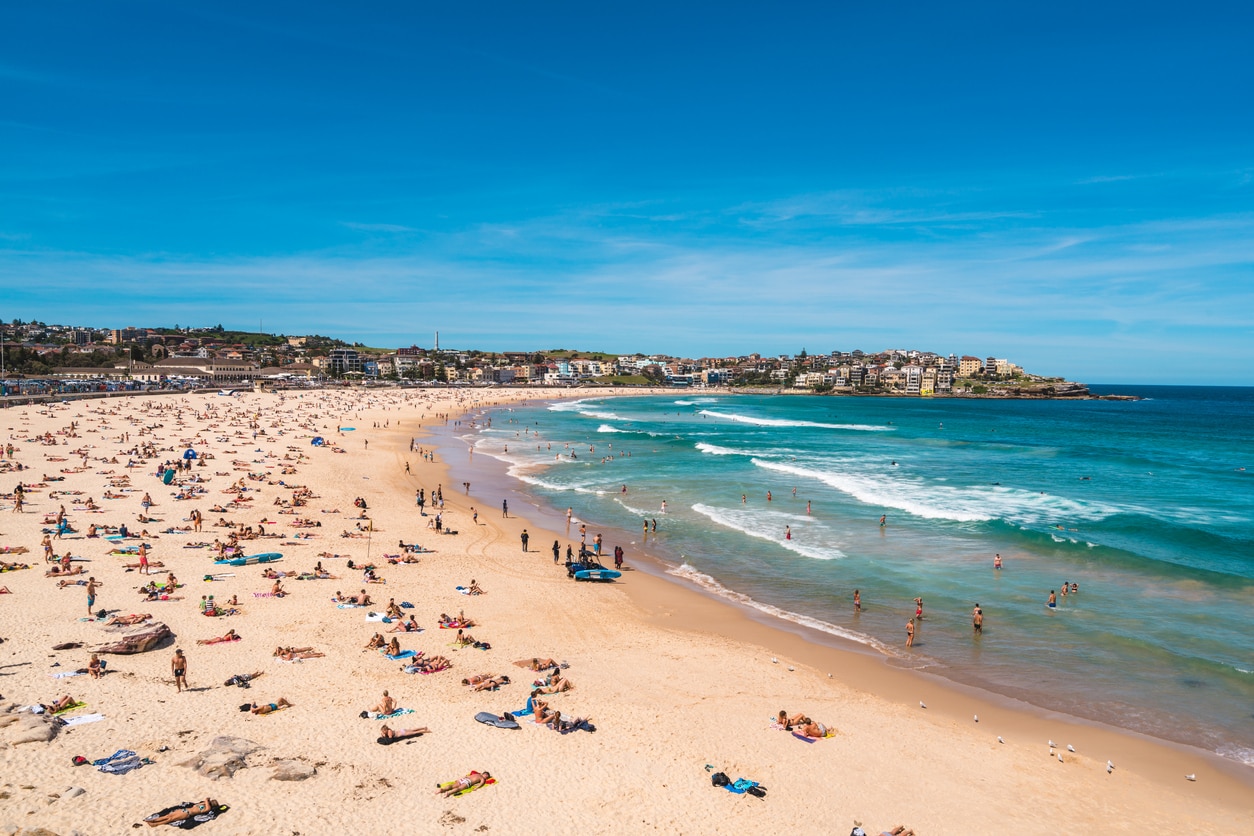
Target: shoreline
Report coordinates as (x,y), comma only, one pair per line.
(674,681)
(823,651)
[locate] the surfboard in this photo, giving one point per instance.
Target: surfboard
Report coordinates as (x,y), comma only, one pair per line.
(490,719)
(250,560)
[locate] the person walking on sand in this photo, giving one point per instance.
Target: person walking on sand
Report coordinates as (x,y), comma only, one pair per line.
(910,633)
(524,537)
(505,508)
(178,666)
(143,559)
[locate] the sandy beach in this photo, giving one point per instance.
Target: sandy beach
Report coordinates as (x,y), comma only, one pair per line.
(677,685)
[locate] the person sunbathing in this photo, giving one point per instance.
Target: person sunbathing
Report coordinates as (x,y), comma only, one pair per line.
(899,830)
(155,564)
(229,636)
(410,626)
(543,716)
(788,722)
(242,679)
(557,683)
(394,609)
(815,730)
(389,735)
(376,640)
(474,588)
(95,667)
(465,784)
(133,618)
(394,647)
(435,664)
(12,567)
(490,684)
(57,571)
(58,705)
(184,812)
(386,705)
(464,638)
(290,654)
(270,707)
(558,724)
(537,664)
(277,590)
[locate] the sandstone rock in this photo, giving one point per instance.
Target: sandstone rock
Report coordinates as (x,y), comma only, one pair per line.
(224,757)
(291,769)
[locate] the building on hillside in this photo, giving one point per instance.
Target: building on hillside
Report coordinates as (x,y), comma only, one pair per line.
(344,361)
(969,366)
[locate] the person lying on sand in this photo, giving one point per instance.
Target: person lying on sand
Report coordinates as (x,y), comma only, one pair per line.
(815,730)
(490,683)
(133,618)
(470,781)
(57,571)
(537,664)
(269,707)
(184,813)
(390,735)
(58,705)
(291,654)
(435,664)
(556,723)
(229,636)
(410,626)
(242,679)
(788,722)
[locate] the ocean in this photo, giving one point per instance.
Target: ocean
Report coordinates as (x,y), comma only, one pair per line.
(1146,505)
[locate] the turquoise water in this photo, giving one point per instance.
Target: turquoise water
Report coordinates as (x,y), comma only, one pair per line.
(1140,503)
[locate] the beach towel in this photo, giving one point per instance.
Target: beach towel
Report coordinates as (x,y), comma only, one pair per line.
(65,674)
(404,654)
(378,616)
(490,719)
(83,719)
(119,763)
(471,789)
(192,821)
(347,606)
(397,713)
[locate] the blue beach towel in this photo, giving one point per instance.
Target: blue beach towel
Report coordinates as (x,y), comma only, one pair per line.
(404,654)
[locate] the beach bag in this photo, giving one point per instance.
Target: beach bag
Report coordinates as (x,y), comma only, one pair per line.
(720,779)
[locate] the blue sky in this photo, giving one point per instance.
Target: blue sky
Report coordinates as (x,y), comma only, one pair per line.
(1070,186)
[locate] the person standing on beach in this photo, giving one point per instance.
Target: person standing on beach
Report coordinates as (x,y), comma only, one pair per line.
(143,559)
(178,666)
(92,585)
(524,537)
(910,633)
(618,557)
(557,552)
(505,508)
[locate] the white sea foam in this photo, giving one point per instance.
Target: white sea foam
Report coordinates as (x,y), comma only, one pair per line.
(568,406)
(769,525)
(685,403)
(715,450)
(945,502)
(1236,753)
(711,585)
(783,422)
(606,428)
